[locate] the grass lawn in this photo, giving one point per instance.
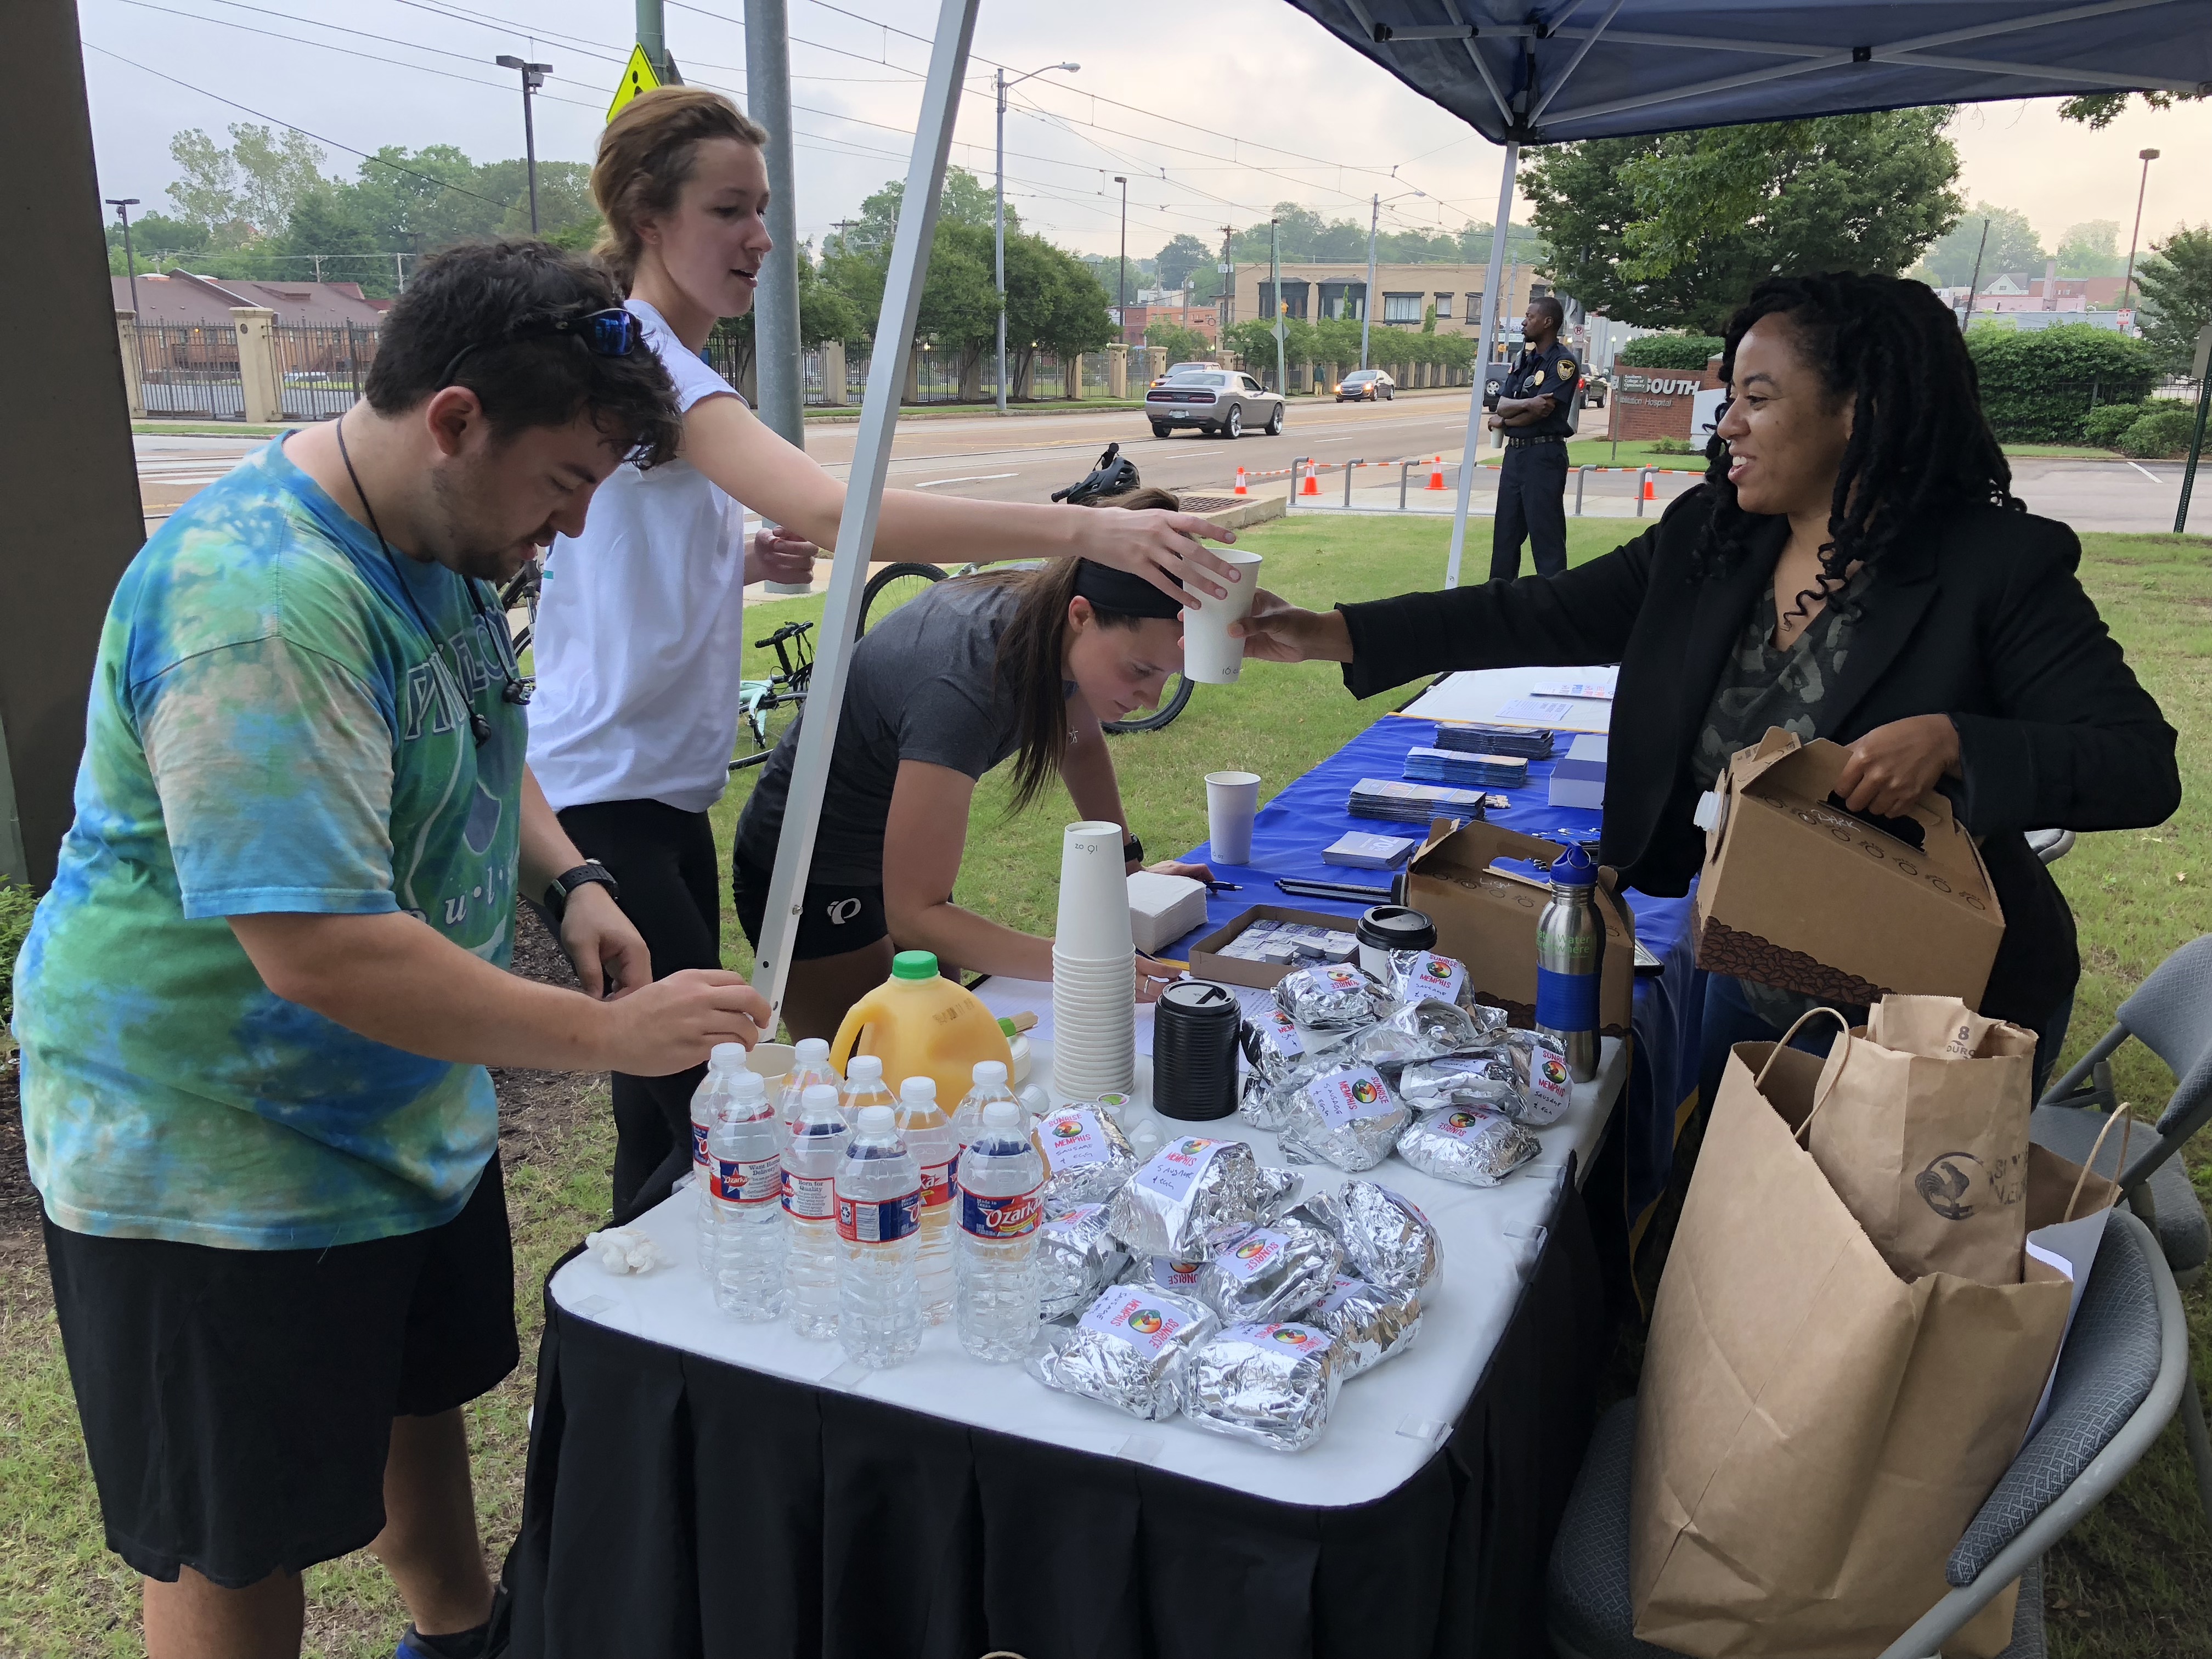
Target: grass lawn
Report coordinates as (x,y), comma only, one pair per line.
(1638,451)
(2133,1582)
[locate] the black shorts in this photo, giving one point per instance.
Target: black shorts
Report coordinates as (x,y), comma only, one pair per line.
(237,1404)
(835,920)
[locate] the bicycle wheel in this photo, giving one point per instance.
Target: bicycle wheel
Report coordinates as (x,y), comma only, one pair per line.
(892,587)
(762,726)
(1171,705)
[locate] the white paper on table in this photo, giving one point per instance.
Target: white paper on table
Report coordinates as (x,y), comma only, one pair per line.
(1538,711)
(1601,692)
(1481,696)
(2061,1245)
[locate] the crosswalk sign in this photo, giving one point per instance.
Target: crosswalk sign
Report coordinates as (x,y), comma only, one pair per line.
(638,76)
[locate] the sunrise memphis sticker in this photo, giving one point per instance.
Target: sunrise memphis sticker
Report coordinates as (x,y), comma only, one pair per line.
(1346,1097)
(1145,1324)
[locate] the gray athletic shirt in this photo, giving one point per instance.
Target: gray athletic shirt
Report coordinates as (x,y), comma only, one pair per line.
(922,687)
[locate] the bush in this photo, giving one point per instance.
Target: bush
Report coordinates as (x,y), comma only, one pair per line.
(2103,425)
(1688,351)
(1675,446)
(2038,387)
(16,906)
(2160,435)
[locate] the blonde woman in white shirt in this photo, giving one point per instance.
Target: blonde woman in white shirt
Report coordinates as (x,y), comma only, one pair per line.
(640,630)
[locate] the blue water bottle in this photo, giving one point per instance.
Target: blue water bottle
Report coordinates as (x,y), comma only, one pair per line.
(1570,952)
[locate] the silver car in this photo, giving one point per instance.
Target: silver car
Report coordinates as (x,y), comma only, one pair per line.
(1225,401)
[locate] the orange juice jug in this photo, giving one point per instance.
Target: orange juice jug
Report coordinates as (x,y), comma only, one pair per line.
(921,1024)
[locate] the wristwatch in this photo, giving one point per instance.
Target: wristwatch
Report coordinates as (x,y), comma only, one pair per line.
(584,875)
(1132,851)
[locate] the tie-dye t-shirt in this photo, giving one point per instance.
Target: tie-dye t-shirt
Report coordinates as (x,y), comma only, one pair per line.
(269,731)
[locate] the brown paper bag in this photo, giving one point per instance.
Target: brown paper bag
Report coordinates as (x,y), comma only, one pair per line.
(1812,1434)
(1922,1132)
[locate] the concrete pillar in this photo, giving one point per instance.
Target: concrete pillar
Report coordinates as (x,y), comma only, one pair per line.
(1117,370)
(1153,364)
(258,370)
(1224,358)
(134,365)
(833,374)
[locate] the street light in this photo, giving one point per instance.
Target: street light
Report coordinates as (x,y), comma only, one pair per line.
(533,76)
(123,204)
(999,193)
(1121,286)
(2146,157)
(1374,220)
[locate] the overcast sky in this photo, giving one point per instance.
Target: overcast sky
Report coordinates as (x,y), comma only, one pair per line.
(1212,89)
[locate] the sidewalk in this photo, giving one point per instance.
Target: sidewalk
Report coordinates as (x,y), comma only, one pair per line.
(1430,486)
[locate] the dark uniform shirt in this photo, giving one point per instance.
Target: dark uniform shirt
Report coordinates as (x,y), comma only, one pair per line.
(1554,372)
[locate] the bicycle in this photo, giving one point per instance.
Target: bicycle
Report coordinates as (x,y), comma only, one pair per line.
(895,584)
(784,689)
(522,590)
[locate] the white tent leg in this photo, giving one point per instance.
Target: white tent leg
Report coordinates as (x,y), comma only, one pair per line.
(864,494)
(1474,411)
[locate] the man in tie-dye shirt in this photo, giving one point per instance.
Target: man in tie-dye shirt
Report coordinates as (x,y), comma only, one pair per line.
(257,1004)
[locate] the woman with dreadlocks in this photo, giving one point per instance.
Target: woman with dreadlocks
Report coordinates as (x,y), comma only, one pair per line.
(1854,567)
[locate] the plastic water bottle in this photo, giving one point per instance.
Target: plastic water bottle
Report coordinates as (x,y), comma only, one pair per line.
(746,1151)
(1001,1202)
(1570,951)
(813,1264)
(810,1066)
(990,1077)
(879,1224)
(864,1086)
(726,1073)
(928,1136)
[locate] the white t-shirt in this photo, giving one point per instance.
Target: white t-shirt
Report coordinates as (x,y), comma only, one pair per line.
(640,628)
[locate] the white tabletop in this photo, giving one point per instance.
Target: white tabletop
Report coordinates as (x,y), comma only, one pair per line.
(1387,1423)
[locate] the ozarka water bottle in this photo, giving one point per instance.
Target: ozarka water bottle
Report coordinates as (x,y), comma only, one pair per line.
(746,1151)
(990,1084)
(1001,1200)
(928,1136)
(814,1259)
(809,1065)
(1570,950)
(726,1072)
(864,1086)
(878,1219)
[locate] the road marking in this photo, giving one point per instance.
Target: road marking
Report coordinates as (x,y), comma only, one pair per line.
(2148,473)
(973,478)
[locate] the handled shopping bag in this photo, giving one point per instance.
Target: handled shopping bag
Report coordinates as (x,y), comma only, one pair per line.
(1922,1132)
(1813,1434)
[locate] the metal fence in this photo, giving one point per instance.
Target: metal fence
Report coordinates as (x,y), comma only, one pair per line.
(322,366)
(188,368)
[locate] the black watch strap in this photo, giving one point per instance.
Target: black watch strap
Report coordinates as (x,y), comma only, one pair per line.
(586,874)
(1132,851)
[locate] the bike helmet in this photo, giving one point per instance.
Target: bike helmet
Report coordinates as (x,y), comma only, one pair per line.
(1112,477)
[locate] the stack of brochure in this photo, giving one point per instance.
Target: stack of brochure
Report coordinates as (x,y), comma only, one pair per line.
(1496,740)
(1411,803)
(1449,766)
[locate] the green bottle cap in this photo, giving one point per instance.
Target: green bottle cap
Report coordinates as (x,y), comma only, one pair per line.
(913,964)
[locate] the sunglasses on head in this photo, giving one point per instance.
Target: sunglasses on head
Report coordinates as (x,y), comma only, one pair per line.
(613,332)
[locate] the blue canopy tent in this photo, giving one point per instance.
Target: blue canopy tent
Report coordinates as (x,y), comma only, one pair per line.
(1522,73)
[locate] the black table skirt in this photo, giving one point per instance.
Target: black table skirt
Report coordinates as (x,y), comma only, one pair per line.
(675,1505)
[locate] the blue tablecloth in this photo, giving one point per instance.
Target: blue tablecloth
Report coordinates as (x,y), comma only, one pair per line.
(1292,828)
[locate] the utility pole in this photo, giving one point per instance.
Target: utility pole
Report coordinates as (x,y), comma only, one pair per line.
(1224,308)
(1974,283)
(2146,157)
(1367,304)
(318,259)
(533,76)
(1275,275)
(999,197)
(1122,292)
(123,204)
(653,35)
(778,367)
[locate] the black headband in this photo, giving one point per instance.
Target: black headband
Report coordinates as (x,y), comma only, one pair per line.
(1117,590)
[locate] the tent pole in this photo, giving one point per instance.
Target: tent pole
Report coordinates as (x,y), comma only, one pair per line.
(864,494)
(1474,411)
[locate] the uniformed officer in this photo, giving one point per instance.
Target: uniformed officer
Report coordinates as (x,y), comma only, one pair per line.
(1534,409)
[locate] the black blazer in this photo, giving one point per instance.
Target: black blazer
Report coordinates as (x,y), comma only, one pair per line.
(1981,618)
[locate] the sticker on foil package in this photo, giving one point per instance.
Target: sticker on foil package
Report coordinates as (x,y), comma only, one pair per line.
(1344,1097)
(1001,1217)
(1252,1253)
(1422,975)
(1193,1197)
(1272,1274)
(1539,1064)
(1471,1145)
(1164,1272)
(879,1221)
(1146,1323)
(1271,1382)
(1347,1116)
(1130,1351)
(1176,1169)
(1086,1155)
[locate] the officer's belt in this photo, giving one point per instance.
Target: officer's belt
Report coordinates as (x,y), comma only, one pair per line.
(1523,443)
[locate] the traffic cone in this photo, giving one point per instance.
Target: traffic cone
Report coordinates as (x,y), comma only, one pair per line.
(1240,490)
(1313,483)
(1436,474)
(1650,488)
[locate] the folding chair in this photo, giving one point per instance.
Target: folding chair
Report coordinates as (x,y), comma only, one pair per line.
(2170,1014)
(2122,1371)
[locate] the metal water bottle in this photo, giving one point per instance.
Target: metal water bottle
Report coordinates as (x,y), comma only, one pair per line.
(1570,950)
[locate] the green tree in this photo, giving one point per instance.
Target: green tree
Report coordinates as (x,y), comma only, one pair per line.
(2177,290)
(1054,303)
(2038,385)
(2013,246)
(1180,257)
(247,189)
(157,241)
(1672,231)
(2097,109)
(1182,343)
(2091,249)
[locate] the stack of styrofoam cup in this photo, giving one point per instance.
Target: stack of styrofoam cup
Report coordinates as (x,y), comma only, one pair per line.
(1094,1014)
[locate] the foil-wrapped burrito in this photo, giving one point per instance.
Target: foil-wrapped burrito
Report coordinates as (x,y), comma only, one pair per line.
(1274,1383)
(1387,1240)
(1450,1027)
(1164,1272)
(1086,1156)
(1272,1274)
(1274,1044)
(1525,1077)
(1368,1323)
(1077,1257)
(1423,975)
(1336,996)
(1131,1349)
(1472,1145)
(1347,1115)
(1194,1196)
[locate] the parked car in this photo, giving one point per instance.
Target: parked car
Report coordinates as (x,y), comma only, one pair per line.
(1593,391)
(1365,385)
(1218,400)
(1174,369)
